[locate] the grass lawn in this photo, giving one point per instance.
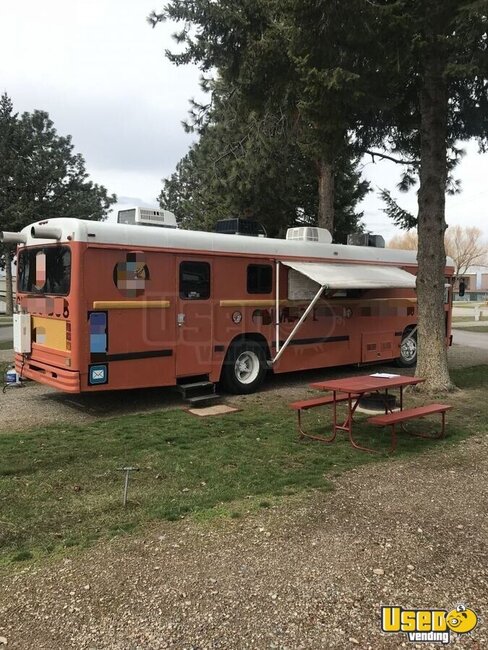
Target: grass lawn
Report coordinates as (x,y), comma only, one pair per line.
(60,488)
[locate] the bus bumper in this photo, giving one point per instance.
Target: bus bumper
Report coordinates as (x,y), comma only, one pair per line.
(60,378)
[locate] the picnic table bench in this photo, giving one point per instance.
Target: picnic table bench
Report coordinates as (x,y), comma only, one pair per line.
(391,419)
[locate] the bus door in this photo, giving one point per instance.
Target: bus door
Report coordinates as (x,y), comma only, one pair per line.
(194,326)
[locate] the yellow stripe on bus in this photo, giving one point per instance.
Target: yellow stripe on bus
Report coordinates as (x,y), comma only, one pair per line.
(333,301)
(250,303)
(131,304)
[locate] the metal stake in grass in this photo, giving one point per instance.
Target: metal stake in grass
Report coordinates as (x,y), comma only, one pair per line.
(127,471)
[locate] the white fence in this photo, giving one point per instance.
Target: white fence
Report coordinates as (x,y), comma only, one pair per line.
(2,293)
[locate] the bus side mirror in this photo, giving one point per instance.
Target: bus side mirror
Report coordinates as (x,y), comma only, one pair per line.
(462,289)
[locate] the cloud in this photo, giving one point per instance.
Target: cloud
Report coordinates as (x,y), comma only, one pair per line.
(100,72)
(123,133)
(128,200)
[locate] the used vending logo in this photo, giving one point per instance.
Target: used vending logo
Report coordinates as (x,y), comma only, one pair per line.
(428,625)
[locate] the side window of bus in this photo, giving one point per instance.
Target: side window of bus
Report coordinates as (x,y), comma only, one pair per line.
(195,280)
(259,278)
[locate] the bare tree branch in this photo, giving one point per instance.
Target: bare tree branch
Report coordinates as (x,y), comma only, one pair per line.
(465,245)
(398,161)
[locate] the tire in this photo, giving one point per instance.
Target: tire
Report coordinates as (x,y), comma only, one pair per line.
(408,350)
(244,368)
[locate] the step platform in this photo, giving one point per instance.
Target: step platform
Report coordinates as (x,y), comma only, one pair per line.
(199,393)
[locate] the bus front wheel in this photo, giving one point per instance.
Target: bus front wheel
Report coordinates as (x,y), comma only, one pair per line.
(244,368)
(408,350)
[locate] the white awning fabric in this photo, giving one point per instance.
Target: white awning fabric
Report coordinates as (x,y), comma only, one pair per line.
(354,276)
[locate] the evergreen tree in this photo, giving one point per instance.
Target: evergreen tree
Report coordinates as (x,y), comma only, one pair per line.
(250,165)
(305,58)
(41,177)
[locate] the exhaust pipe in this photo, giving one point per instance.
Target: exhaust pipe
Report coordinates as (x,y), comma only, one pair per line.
(13,238)
(45,232)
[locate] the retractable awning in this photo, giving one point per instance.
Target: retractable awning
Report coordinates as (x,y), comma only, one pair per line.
(333,276)
(354,276)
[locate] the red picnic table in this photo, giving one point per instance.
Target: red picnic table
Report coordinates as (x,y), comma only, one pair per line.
(350,390)
(355,388)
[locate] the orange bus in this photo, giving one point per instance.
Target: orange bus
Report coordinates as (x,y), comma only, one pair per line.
(108,306)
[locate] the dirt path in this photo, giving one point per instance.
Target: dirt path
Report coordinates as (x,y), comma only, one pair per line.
(311,573)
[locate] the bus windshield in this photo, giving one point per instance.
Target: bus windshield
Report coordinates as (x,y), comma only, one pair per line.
(45,270)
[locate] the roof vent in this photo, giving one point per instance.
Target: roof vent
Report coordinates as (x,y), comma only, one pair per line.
(307,233)
(147,217)
(366,239)
(238,226)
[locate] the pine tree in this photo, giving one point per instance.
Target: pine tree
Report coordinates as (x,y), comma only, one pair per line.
(250,165)
(41,177)
(305,58)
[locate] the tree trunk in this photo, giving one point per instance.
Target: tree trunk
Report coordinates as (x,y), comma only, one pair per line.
(9,294)
(432,353)
(326,195)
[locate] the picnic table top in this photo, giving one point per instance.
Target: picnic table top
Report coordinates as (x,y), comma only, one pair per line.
(366,383)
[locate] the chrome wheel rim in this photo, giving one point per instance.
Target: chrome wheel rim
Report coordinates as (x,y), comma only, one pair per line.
(246,367)
(409,349)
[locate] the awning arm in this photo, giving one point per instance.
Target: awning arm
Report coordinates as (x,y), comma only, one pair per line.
(277,307)
(299,324)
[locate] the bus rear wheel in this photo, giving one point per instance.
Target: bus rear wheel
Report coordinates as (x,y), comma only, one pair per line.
(408,350)
(244,368)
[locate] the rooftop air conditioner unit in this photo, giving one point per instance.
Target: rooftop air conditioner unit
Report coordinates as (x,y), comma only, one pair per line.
(147,217)
(308,233)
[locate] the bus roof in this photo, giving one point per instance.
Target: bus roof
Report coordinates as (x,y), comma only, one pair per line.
(99,232)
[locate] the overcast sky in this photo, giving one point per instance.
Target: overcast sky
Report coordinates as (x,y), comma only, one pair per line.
(99,70)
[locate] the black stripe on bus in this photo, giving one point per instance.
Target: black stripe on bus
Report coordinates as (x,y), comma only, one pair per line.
(219,348)
(130,356)
(323,339)
(398,333)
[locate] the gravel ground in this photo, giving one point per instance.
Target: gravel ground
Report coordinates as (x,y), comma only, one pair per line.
(309,573)
(46,406)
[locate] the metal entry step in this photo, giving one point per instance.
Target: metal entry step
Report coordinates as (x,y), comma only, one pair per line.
(203,400)
(196,389)
(199,393)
